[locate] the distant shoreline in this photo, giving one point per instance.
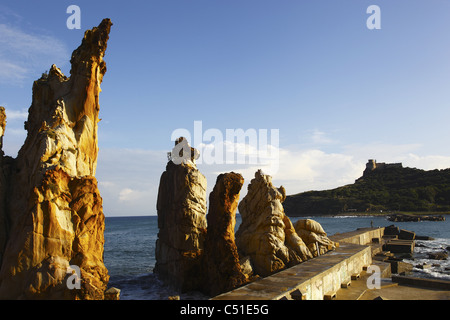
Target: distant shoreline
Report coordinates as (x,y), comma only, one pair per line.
(371,214)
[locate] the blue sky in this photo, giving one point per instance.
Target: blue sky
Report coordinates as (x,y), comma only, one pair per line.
(338,92)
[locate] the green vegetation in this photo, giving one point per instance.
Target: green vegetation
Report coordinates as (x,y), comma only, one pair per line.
(390,189)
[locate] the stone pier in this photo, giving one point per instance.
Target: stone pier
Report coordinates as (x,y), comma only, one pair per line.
(319,278)
(343,274)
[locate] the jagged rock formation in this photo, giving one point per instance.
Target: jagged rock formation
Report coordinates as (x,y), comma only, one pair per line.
(195,254)
(52,210)
(221,258)
(314,236)
(3,186)
(181,208)
(2,127)
(266,234)
(190,256)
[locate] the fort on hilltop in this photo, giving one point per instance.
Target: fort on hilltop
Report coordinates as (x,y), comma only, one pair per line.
(372,165)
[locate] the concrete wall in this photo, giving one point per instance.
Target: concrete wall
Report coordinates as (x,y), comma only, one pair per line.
(362,236)
(329,281)
(311,280)
(315,278)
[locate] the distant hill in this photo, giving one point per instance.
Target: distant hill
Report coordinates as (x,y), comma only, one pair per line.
(387,187)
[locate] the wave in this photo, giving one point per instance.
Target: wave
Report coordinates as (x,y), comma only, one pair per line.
(345,217)
(325,216)
(148,287)
(431,273)
(439,269)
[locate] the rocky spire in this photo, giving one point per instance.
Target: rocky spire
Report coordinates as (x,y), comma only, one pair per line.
(3,186)
(181,209)
(53,206)
(2,127)
(266,234)
(223,270)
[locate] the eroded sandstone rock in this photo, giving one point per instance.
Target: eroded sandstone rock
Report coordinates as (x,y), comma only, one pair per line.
(3,186)
(2,127)
(266,234)
(181,208)
(52,204)
(314,236)
(221,259)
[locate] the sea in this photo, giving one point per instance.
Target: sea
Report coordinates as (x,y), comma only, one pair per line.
(130,251)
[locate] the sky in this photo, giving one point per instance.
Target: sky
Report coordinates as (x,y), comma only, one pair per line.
(335,92)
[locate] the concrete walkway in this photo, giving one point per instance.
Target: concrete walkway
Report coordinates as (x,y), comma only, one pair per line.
(315,279)
(401,292)
(402,288)
(341,275)
(389,291)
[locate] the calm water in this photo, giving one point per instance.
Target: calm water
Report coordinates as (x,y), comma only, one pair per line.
(130,250)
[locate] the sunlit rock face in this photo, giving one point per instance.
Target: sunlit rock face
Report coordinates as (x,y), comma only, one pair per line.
(51,214)
(223,269)
(314,236)
(266,234)
(181,209)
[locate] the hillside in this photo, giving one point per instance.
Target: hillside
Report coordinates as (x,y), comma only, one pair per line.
(387,188)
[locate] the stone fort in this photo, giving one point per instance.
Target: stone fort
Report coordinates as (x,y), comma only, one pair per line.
(372,165)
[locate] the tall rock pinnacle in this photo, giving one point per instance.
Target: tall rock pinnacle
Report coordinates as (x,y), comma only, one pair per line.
(51,215)
(266,234)
(182,222)
(221,257)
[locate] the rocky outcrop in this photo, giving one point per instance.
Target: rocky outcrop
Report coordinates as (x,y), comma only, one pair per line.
(414,217)
(194,253)
(440,255)
(221,258)
(52,206)
(266,234)
(3,186)
(314,236)
(181,208)
(2,127)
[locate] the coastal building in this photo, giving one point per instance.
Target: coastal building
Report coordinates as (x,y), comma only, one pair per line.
(372,165)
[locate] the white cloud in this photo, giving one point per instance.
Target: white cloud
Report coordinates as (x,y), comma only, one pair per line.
(22,54)
(15,133)
(320,137)
(11,71)
(302,170)
(429,162)
(21,133)
(382,152)
(130,195)
(129,179)
(16,115)
(106,184)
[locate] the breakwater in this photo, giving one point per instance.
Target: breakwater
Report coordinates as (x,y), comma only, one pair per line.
(346,273)
(414,218)
(319,278)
